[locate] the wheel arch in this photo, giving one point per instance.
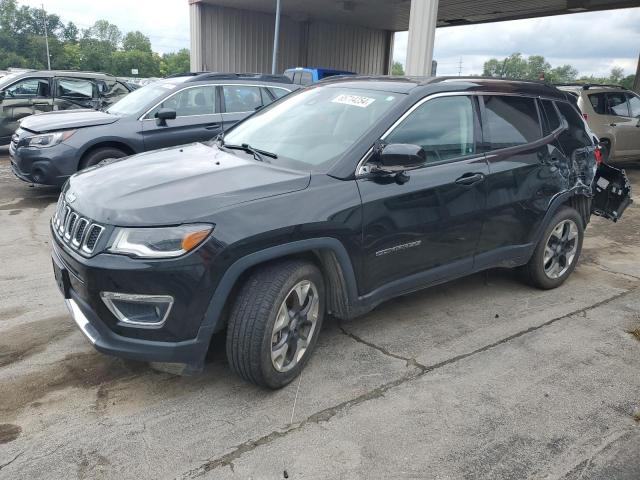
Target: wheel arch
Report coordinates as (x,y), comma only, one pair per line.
(125,147)
(578,198)
(328,254)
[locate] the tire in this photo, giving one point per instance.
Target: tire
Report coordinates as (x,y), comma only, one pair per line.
(251,339)
(98,155)
(547,274)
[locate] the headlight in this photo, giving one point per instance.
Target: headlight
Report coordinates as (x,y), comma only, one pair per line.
(159,242)
(48,139)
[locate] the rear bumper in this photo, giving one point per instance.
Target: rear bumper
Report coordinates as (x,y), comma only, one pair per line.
(47,166)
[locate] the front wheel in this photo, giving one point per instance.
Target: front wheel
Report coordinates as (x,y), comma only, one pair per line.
(275,321)
(557,253)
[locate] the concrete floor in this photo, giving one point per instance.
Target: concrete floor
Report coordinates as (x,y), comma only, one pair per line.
(480,378)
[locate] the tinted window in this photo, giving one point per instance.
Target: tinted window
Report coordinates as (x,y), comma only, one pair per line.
(634,104)
(74,88)
(575,137)
(618,104)
(598,102)
(442,126)
(550,113)
(30,87)
(306,78)
(511,121)
(240,98)
(190,101)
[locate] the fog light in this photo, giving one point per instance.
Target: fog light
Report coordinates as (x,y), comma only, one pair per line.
(137,309)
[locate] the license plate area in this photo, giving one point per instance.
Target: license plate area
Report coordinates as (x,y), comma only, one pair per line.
(62,277)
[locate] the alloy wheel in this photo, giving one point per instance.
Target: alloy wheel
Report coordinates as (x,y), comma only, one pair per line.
(295,326)
(560,249)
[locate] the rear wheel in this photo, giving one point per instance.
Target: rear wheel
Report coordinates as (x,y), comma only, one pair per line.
(275,321)
(96,156)
(557,253)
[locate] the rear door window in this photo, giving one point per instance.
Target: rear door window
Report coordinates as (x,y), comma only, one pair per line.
(634,104)
(29,87)
(511,121)
(599,103)
(241,98)
(550,113)
(618,104)
(443,127)
(279,92)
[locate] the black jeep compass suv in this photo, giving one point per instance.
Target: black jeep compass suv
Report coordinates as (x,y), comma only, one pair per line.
(330,201)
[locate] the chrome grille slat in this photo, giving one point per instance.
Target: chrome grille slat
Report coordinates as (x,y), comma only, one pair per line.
(71,228)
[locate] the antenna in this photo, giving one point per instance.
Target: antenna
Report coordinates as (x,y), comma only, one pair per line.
(46,37)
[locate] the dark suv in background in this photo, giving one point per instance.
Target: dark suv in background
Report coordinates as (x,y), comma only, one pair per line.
(48,148)
(331,201)
(27,93)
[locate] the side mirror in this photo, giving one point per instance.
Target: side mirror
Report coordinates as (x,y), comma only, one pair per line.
(399,157)
(165,114)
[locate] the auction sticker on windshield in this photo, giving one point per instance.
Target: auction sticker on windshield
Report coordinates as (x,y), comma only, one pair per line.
(354,100)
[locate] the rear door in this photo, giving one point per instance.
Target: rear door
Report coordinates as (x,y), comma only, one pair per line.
(72,93)
(23,98)
(625,127)
(239,101)
(432,222)
(522,179)
(197,119)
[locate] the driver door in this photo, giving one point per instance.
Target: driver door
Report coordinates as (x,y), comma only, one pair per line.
(431,223)
(25,97)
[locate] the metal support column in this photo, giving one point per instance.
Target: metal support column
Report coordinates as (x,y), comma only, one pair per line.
(421,39)
(276,35)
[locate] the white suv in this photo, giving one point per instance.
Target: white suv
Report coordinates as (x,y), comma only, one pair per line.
(613,114)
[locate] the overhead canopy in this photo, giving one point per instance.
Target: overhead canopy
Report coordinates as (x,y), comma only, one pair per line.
(394,14)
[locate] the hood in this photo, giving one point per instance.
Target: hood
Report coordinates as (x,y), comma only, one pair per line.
(176,185)
(66,120)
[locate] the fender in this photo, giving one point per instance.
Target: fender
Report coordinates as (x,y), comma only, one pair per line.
(211,322)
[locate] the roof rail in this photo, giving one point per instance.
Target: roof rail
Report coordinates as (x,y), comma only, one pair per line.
(587,86)
(204,76)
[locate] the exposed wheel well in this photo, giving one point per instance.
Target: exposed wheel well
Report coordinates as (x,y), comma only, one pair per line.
(119,145)
(325,260)
(581,204)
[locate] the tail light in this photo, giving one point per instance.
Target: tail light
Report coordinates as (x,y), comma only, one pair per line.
(585,116)
(598,154)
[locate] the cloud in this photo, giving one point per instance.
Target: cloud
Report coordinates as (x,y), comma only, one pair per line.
(593,42)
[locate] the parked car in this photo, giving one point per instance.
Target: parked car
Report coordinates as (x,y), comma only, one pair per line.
(48,148)
(307,76)
(30,92)
(613,114)
(398,185)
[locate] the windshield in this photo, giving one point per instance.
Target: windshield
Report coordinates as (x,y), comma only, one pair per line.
(135,102)
(314,127)
(7,79)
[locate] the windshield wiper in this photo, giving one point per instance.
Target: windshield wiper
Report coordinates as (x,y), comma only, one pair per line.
(245,147)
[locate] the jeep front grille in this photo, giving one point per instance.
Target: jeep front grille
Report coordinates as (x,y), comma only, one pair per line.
(79,232)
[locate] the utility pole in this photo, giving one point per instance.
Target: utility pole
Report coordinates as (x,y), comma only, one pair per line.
(636,83)
(276,35)
(46,37)
(460,67)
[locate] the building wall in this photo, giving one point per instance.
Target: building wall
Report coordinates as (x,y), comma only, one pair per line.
(230,40)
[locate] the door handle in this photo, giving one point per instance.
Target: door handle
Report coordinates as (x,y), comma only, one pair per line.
(212,126)
(613,124)
(470,178)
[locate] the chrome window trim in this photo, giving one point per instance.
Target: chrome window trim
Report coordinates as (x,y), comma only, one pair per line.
(360,167)
(141,117)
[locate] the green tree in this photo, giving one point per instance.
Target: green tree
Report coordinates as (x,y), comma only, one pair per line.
(175,62)
(136,41)
(534,67)
(397,69)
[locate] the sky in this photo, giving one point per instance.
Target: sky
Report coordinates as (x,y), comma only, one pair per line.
(592,42)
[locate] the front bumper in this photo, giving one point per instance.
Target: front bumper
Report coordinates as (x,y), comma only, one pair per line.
(184,338)
(47,166)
